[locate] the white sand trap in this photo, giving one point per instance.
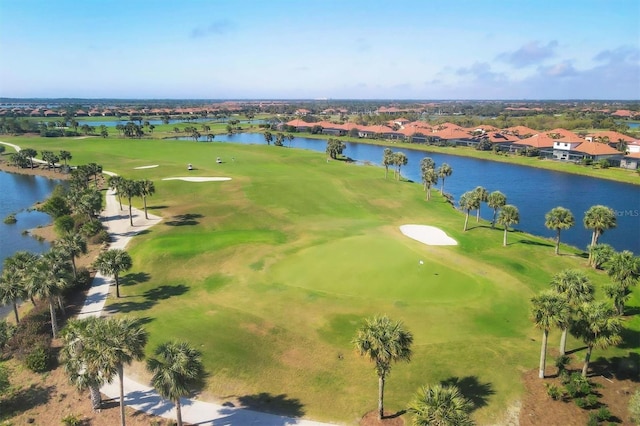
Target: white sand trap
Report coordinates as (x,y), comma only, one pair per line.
(199,179)
(145,167)
(429,235)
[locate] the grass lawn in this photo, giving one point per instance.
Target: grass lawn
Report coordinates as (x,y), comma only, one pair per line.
(271,273)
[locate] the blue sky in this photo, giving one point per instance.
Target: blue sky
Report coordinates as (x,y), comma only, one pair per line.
(256,49)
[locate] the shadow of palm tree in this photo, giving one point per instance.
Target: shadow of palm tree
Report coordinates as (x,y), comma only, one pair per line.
(620,368)
(535,243)
(165,291)
(273,404)
(188,219)
(471,388)
(26,399)
(127,307)
(137,278)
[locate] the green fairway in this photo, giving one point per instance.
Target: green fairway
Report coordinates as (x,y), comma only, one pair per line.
(271,273)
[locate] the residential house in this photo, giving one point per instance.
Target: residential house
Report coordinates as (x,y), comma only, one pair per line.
(630,161)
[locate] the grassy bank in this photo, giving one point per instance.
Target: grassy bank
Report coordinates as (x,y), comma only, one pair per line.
(271,273)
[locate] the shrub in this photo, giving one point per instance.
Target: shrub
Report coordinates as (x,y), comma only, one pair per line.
(91,228)
(603,414)
(63,224)
(56,206)
(11,219)
(71,420)
(593,420)
(34,330)
(561,364)
(83,279)
(38,360)
(554,392)
(101,237)
(6,331)
(580,402)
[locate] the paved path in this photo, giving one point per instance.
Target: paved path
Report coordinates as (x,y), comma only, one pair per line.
(141,396)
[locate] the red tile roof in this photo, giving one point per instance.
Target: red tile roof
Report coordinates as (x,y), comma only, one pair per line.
(595,148)
(613,136)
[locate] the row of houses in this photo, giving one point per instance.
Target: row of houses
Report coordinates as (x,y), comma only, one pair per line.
(117,111)
(558,144)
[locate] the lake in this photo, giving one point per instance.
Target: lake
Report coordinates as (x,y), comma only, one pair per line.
(19,193)
(534,191)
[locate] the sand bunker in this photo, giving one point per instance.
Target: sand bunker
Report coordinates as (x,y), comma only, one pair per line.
(145,167)
(199,179)
(429,235)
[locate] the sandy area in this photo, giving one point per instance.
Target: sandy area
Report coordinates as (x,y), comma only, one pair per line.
(429,235)
(145,167)
(199,179)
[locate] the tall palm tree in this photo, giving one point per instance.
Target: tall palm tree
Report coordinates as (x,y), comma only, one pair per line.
(468,201)
(65,156)
(399,159)
(115,182)
(47,280)
(496,200)
(30,153)
(559,218)
(112,263)
(442,406)
(387,160)
(121,341)
(81,339)
(429,178)
(483,197)
(130,189)
(509,215)
(175,367)
(599,218)
(548,310)
(577,289)
(72,245)
(146,188)
(444,171)
(383,342)
(598,326)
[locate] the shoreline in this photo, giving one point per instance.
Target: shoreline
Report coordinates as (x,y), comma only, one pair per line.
(37,170)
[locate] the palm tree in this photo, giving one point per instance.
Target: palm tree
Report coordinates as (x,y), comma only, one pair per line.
(47,280)
(72,245)
(444,171)
(442,406)
(624,270)
(577,289)
(483,197)
(290,138)
(468,201)
(599,218)
(559,218)
(548,310)
(383,342)
(30,153)
(597,326)
(130,189)
(112,263)
(65,156)
(509,215)
(115,182)
(399,159)
(175,367)
(11,290)
(268,137)
(78,355)
(121,341)
(429,178)
(600,255)
(387,160)
(496,200)
(20,266)
(146,188)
